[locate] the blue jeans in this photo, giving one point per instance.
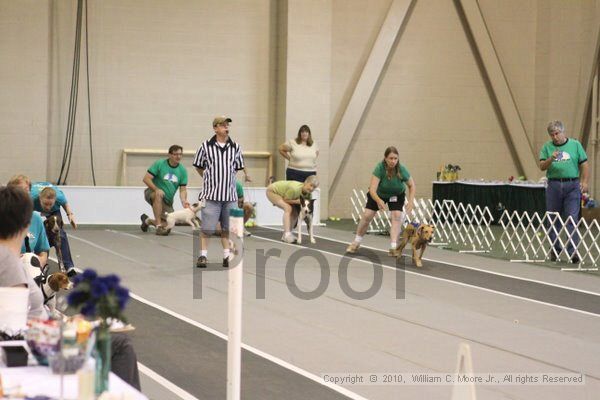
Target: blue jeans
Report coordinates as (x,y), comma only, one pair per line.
(565,199)
(213,212)
(64,245)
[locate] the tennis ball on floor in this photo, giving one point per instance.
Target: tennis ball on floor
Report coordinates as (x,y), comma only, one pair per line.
(338,219)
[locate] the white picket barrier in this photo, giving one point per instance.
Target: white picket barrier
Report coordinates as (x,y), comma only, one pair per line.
(456,224)
(528,236)
(525,237)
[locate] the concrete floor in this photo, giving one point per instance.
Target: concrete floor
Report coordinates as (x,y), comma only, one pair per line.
(516,318)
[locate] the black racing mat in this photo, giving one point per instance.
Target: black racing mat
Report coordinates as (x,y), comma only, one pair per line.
(196,361)
(518,287)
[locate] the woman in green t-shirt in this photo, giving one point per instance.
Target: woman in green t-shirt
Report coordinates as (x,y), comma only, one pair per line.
(388,186)
(284,194)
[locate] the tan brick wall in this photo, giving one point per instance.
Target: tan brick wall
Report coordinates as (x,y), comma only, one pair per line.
(24,87)
(161,70)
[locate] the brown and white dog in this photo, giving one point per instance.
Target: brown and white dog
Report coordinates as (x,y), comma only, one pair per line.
(51,285)
(184,216)
(304,212)
(53,224)
(418,237)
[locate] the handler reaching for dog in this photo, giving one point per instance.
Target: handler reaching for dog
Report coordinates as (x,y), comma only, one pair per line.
(388,186)
(163,178)
(284,194)
(48,199)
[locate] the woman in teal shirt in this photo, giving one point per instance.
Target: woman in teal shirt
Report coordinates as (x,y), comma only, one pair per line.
(388,187)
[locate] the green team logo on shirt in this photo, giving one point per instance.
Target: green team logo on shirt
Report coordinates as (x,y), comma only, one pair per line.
(170,177)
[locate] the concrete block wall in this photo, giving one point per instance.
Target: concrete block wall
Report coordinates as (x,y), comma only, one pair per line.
(160,71)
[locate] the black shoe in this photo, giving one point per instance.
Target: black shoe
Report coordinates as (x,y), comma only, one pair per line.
(201,263)
(71,273)
(552,256)
(575,259)
(226,262)
(144,226)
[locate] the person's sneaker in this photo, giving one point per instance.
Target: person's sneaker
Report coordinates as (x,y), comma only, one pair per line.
(288,238)
(552,256)
(201,262)
(72,273)
(226,262)
(160,231)
(352,248)
(246,233)
(144,226)
(575,259)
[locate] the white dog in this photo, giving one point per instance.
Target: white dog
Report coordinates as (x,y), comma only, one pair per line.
(184,216)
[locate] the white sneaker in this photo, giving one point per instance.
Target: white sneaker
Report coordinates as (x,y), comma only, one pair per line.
(246,233)
(289,238)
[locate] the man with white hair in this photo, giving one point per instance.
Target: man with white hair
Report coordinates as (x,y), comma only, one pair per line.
(566,166)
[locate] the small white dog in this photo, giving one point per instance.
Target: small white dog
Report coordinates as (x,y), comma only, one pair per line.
(184,216)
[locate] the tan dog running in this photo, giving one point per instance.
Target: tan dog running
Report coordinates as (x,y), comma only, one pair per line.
(418,238)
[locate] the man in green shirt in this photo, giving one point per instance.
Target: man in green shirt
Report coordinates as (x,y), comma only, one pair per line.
(244,205)
(566,166)
(163,178)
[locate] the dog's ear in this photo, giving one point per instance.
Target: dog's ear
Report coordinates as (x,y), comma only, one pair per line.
(420,230)
(195,205)
(54,282)
(60,222)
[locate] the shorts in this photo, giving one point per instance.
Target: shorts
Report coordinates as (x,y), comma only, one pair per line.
(396,205)
(216,211)
(149,197)
(292,174)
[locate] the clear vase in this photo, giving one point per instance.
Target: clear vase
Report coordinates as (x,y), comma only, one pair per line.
(102,359)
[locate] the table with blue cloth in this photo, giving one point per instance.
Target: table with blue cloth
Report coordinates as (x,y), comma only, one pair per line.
(497,196)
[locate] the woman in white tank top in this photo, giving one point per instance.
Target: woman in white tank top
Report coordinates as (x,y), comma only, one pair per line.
(301,154)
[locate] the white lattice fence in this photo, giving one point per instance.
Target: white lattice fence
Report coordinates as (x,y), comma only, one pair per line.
(455,223)
(528,236)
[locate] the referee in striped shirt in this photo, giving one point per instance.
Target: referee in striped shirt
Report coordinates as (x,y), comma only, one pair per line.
(217,161)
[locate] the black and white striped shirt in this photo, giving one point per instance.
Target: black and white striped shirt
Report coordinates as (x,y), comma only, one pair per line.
(220,165)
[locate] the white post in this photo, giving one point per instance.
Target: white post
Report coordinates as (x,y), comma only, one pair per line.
(234,312)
